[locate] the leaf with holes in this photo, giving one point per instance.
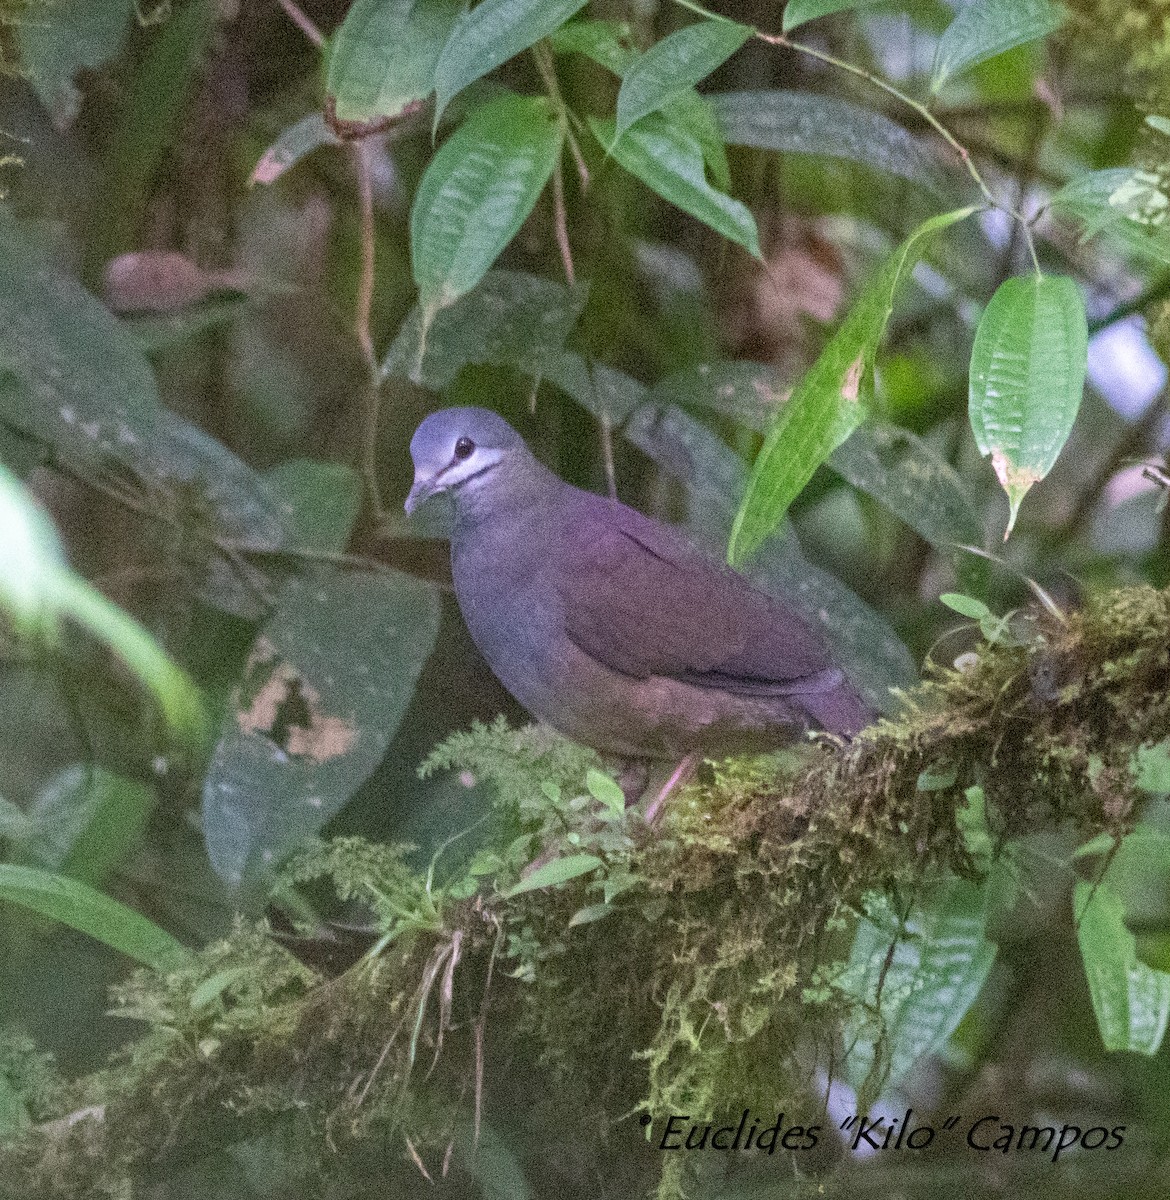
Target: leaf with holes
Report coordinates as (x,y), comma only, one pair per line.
(673,65)
(323,691)
(828,403)
(1027,375)
(477,192)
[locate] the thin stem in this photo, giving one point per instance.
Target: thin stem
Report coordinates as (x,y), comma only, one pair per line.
(560,223)
(361,327)
(607,457)
(302,22)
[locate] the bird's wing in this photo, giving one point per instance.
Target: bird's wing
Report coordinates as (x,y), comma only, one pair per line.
(640,599)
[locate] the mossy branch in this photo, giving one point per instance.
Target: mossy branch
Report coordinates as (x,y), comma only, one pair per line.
(691,972)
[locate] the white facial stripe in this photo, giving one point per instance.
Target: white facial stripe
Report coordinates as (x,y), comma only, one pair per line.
(461,471)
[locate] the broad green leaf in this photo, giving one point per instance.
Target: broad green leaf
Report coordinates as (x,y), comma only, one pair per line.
(491,33)
(674,64)
(558,871)
(828,403)
(38,590)
(509,317)
(1130,999)
(965,606)
(590,913)
(1151,768)
(984,28)
(86,820)
(689,111)
(604,788)
(325,686)
(669,160)
(159,332)
(889,463)
(797,12)
(610,395)
(298,140)
(1130,205)
(56,41)
(77,904)
(809,123)
(1027,375)
(938,966)
(319,501)
(477,192)
(608,43)
(383,57)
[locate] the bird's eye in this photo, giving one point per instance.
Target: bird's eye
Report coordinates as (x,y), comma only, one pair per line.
(464,448)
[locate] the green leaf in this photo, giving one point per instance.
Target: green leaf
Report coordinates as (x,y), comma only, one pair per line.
(382,59)
(608,43)
(491,33)
(1151,768)
(828,403)
(56,41)
(604,788)
(673,65)
(966,606)
(476,193)
(559,870)
(159,332)
(38,590)
(589,914)
(509,317)
(609,394)
(935,973)
(1130,999)
(294,143)
(797,12)
(984,28)
(808,123)
(319,501)
(1027,375)
(325,686)
(77,904)
(87,820)
(669,160)
(1121,202)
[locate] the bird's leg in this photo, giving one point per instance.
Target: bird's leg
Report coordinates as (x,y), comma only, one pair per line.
(632,777)
(679,776)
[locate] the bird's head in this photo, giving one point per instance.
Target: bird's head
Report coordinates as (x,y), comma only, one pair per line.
(461,451)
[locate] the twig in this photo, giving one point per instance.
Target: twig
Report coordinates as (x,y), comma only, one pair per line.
(560,223)
(607,456)
(302,22)
(361,327)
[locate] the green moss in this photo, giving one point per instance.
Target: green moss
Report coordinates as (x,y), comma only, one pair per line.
(717,949)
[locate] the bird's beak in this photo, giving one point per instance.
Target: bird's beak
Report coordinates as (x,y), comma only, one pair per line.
(425,486)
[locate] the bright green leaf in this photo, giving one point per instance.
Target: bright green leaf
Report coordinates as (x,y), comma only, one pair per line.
(1121,202)
(323,690)
(1130,999)
(797,12)
(669,160)
(604,788)
(674,64)
(1151,768)
(1027,375)
(966,606)
(589,914)
(984,28)
(477,192)
(809,123)
(383,57)
(607,43)
(490,34)
(77,904)
(828,403)
(558,871)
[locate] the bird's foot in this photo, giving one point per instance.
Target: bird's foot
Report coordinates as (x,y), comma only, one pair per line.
(679,776)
